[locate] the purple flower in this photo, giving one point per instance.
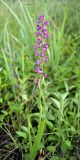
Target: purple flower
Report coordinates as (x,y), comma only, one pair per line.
(44,50)
(41,47)
(46,45)
(38,62)
(46,23)
(37,34)
(44,30)
(37,54)
(41,54)
(36,69)
(45,59)
(40,71)
(46,35)
(35,47)
(38,27)
(40,18)
(45,75)
(39,40)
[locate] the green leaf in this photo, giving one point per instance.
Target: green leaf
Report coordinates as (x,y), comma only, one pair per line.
(50,116)
(24,96)
(55,158)
(72,158)
(50,124)
(68,143)
(36,144)
(15,107)
(4,112)
(63,158)
(25,129)
(52,138)
(56,103)
(51,149)
(64,148)
(0,125)
(1,100)
(21,134)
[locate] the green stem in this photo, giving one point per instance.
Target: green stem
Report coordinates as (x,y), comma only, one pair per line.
(39,101)
(30,140)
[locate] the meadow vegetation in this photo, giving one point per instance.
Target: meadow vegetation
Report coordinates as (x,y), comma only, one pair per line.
(39,124)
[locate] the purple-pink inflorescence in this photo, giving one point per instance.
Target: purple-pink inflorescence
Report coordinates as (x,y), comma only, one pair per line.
(40,47)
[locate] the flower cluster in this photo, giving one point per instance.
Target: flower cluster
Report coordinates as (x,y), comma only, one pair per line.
(41,47)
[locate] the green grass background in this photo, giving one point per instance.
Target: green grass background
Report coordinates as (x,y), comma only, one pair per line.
(48,119)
